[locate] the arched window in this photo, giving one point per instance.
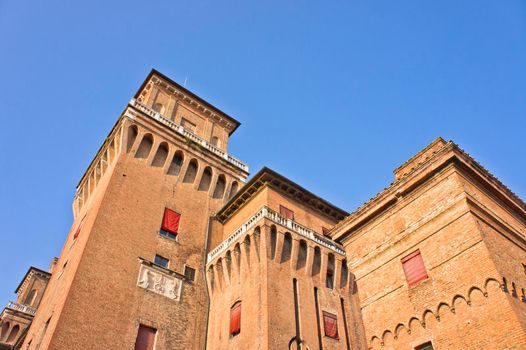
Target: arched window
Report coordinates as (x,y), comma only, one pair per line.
(237,254)
(235,319)
(329,280)
(177,162)
(273,241)
(191,172)
(287,247)
(233,189)
(247,247)
(160,156)
(145,147)
(13,334)
(111,151)
(302,255)
(228,261)
(316,263)
(30,298)
(158,107)
(132,135)
(5,328)
(345,274)
(219,191)
(206,179)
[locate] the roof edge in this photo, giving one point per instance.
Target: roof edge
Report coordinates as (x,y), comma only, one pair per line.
(155,72)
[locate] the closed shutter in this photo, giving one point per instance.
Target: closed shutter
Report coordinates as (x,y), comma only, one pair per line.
(330,325)
(79,227)
(414,268)
(286,212)
(235,319)
(170,221)
(145,338)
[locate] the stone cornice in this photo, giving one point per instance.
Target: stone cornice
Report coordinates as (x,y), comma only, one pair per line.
(449,154)
(29,274)
(192,100)
(270,178)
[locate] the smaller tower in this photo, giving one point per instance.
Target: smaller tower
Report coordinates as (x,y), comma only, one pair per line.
(18,315)
(275,273)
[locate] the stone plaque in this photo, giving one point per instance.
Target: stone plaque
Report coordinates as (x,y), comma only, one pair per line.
(159,282)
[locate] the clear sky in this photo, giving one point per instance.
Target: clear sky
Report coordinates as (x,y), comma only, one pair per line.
(333,95)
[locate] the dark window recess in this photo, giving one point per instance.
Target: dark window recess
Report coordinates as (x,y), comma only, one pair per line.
(145,338)
(161,261)
(235,319)
(286,212)
(425,346)
(189,273)
(330,325)
(170,224)
(414,268)
(186,124)
(329,281)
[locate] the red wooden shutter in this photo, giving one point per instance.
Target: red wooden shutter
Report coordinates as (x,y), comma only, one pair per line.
(170,221)
(79,227)
(330,325)
(414,268)
(286,212)
(235,319)
(145,338)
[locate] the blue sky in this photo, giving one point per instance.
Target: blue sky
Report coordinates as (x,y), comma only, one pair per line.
(333,95)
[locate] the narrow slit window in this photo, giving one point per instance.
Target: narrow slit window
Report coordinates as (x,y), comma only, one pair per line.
(170,224)
(414,268)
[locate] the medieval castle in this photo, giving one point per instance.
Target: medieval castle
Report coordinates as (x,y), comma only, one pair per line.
(171,248)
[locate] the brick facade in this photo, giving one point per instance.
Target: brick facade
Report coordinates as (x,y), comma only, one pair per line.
(305,274)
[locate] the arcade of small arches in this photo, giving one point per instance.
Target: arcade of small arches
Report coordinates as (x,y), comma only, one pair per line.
(141,146)
(9,332)
(104,158)
(429,318)
(301,255)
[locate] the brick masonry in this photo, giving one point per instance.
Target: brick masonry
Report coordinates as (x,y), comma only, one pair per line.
(469,228)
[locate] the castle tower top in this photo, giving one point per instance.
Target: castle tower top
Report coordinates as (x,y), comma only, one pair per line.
(175,102)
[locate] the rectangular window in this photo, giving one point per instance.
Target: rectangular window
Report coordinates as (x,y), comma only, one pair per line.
(189,273)
(215,141)
(145,338)
(159,260)
(187,125)
(330,325)
(170,224)
(414,268)
(286,212)
(235,319)
(425,346)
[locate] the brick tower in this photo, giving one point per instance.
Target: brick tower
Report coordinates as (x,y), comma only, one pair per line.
(133,264)
(273,273)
